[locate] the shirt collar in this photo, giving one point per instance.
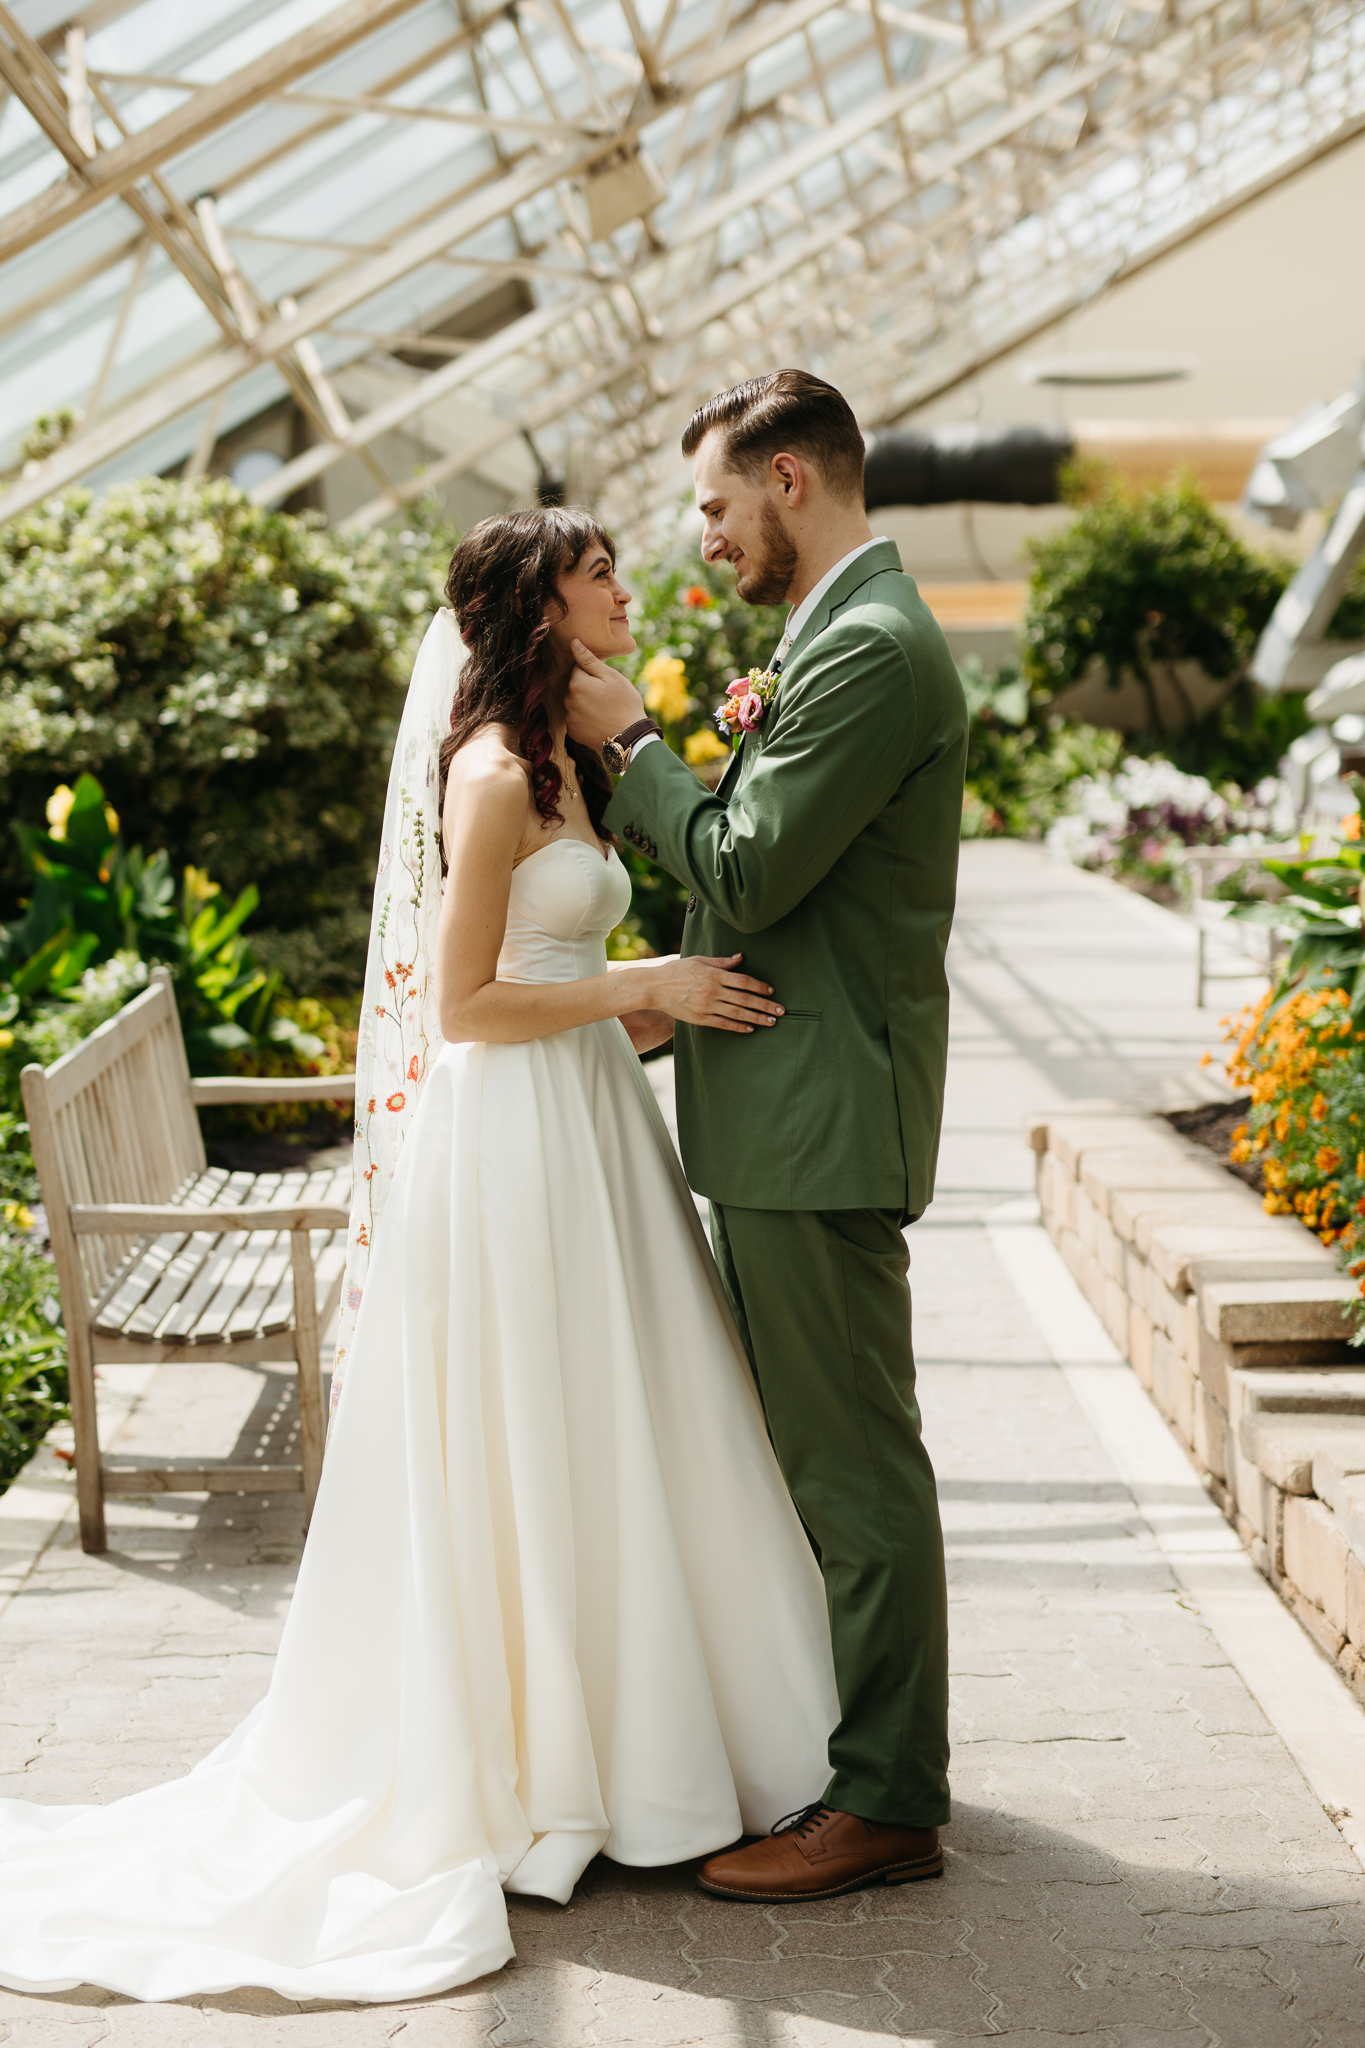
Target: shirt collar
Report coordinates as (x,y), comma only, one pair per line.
(797,618)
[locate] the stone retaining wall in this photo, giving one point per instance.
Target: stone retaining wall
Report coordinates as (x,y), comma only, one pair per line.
(1235,1323)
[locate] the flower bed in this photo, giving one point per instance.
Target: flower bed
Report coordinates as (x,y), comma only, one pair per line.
(1135,824)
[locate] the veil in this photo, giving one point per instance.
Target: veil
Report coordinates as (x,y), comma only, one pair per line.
(399,1030)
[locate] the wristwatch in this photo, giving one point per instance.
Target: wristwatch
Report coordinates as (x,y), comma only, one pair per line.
(616,750)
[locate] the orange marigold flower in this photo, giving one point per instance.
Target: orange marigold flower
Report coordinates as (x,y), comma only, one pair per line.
(698,597)
(1350,825)
(1318,1108)
(1327,1159)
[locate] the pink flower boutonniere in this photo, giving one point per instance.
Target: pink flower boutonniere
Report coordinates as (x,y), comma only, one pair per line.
(746,701)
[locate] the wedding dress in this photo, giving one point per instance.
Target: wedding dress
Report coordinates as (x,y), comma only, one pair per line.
(555,1599)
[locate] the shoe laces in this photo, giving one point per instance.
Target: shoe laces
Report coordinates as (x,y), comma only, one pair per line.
(803,1820)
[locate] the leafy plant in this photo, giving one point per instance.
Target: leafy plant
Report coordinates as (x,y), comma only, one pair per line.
(1143,581)
(1022,760)
(233,676)
(1322,908)
(33,1386)
(1242,740)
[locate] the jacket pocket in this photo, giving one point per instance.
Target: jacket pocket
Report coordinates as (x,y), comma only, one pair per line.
(802,1016)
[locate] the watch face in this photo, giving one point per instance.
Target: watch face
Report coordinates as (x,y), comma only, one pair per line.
(615,757)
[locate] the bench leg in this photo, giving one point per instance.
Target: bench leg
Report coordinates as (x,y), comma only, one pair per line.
(85,1426)
(312,1427)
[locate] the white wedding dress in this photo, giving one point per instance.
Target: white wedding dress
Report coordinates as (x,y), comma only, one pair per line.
(555,1598)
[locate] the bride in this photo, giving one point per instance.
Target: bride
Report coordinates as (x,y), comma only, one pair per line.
(555,1599)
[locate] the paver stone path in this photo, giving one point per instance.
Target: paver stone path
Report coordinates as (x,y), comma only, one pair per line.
(1135,1860)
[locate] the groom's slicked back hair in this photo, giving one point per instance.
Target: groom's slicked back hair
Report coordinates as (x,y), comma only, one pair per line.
(788,412)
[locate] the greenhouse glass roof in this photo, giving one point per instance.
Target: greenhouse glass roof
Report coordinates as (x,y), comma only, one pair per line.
(577,217)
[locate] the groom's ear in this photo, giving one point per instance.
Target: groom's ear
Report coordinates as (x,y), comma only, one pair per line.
(788,472)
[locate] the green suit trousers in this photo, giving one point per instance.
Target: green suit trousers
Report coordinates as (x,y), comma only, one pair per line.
(823,1306)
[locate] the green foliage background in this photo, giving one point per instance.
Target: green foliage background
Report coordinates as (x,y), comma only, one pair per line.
(1141,581)
(233,676)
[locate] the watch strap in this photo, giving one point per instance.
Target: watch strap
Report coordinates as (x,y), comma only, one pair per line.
(633,734)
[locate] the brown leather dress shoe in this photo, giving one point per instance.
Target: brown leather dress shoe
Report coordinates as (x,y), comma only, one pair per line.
(817,1853)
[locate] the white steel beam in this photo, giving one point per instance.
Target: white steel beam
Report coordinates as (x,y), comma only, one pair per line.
(209,108)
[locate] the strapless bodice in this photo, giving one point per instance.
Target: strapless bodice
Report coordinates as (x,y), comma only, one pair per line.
(565,899)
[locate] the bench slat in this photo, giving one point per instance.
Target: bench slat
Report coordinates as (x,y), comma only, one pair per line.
(213,1189)
(245,1256)
(201,1266)
(207,1479)
(250,1318)
(148,1261)
(279,1313)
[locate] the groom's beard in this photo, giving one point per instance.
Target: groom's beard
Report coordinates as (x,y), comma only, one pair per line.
(768,580)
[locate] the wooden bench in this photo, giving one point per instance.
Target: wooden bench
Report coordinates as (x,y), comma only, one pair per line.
(235,1266)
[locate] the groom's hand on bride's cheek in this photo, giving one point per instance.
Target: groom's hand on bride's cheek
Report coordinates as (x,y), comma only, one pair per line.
(599,701)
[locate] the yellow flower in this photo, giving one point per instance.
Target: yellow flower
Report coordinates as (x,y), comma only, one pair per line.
(59,810)
(703,746)
(198,887)
(665,679)
(18,1213)
(6,1040)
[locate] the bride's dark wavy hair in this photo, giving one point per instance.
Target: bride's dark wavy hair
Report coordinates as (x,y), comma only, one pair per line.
(503,577)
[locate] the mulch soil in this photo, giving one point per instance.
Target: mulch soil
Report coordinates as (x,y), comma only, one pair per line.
(1212,1125)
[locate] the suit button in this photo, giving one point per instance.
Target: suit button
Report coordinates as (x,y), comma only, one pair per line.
(691,904)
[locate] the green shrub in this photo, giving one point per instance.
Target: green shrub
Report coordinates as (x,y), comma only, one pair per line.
(1242,740)
(1141,581)
(234,676)
(33,1389)
(1021,760)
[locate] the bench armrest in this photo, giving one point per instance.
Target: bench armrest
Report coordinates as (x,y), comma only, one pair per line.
(272,1088)
(138,1219)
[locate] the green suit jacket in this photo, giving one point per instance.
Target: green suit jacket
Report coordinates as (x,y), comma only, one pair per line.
(828,857)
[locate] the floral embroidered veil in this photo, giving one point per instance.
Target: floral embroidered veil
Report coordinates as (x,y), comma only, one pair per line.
(399,1030)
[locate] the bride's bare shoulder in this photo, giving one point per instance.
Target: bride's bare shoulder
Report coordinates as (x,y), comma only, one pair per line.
(488,785)
(489,766)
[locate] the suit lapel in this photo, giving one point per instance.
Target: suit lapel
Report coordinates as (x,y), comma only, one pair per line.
(875,562)
(727,780)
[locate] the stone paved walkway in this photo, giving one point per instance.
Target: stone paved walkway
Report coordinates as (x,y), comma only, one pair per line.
(1135,1860)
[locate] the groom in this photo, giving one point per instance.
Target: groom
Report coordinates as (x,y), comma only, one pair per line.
(828,857)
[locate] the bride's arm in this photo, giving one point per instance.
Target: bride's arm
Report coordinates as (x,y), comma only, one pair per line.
(486,815)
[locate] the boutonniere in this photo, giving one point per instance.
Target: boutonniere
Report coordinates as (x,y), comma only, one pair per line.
(746,701)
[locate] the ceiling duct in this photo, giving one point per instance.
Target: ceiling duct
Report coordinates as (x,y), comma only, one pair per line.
(983,465)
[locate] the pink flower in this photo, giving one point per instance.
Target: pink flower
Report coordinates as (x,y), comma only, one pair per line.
(740,687)
(751,712)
